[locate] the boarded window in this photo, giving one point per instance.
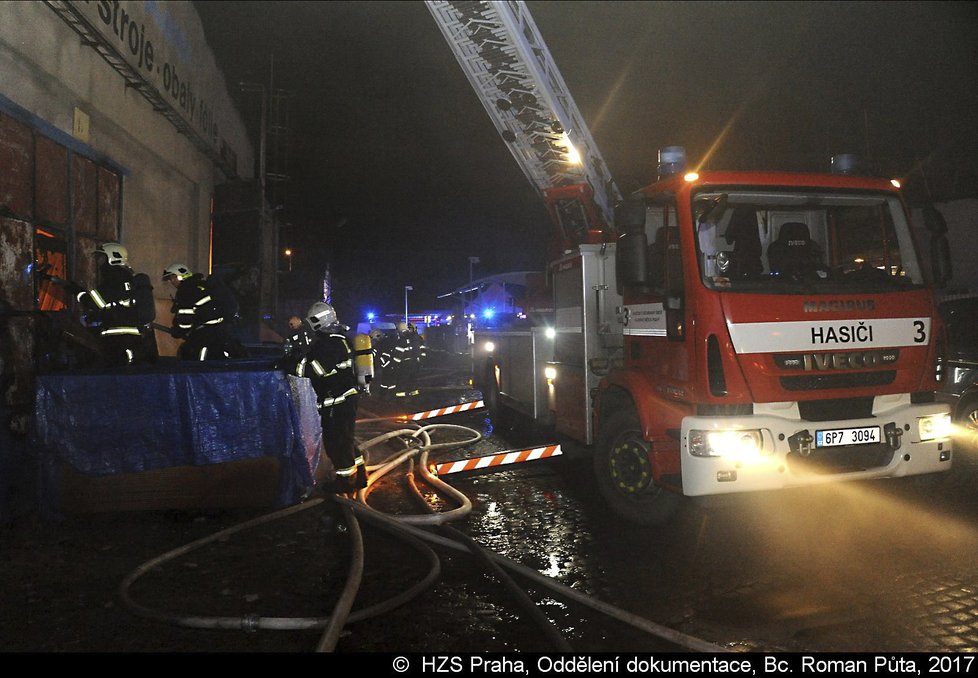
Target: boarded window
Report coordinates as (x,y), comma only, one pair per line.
(109,188)
(16,168)
(86,268)
(16,245)
(84,186)
(56,206)
(51,182)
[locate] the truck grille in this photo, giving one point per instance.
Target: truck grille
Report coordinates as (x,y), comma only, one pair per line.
(813,382)
(836,409)
(841,459)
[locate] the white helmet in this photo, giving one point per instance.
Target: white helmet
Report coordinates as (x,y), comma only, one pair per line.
(320,316)
(181,271)
(116,253)
(376,334)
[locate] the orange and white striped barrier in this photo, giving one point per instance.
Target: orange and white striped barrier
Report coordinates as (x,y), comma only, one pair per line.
(514,457)
(464,407)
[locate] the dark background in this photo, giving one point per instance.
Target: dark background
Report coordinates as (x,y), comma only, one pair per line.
(397,177)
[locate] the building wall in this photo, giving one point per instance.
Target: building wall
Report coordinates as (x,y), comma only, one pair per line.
(47,75)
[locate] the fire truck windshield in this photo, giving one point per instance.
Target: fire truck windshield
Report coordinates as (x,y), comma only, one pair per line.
(792,241)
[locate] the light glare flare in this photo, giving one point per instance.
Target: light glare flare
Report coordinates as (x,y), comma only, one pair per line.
(573,156)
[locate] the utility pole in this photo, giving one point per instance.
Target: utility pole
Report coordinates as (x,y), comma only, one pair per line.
(267,240)
(269,213)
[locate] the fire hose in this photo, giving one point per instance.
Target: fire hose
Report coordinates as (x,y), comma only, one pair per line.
(419,445)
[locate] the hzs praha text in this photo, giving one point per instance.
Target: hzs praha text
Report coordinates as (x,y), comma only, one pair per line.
(891,664)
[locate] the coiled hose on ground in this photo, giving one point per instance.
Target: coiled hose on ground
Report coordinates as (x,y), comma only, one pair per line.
(419,444)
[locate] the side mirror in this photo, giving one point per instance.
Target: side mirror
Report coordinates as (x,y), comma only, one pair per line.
(631,255)
(940,260)
(934,220)
(940,249)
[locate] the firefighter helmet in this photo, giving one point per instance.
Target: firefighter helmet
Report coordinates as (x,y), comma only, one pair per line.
(376,335)
(116,253)
(401,326)
(179,271)
(320,316)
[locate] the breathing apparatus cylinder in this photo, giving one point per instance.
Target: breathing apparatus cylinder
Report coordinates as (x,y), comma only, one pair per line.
(364,359)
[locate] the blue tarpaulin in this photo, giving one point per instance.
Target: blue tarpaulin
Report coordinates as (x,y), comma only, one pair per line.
(115,423)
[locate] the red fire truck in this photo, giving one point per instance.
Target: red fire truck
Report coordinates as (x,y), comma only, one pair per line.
(724,332)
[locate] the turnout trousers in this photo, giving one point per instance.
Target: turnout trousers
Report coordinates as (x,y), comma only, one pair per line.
(339,424)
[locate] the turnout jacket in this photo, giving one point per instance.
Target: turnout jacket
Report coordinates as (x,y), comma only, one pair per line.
(329,365)
(194,306)
(401,350)
(112,304)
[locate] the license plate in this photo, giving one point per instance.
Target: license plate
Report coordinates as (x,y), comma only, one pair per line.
(847,436)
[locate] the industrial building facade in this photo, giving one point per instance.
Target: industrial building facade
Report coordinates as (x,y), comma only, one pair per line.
(115,125)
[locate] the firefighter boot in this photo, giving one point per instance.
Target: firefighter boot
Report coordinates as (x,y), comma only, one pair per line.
(361,481)
(344,485)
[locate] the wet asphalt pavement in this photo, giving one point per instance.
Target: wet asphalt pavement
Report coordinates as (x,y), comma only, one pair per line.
(861,566)
(855,567)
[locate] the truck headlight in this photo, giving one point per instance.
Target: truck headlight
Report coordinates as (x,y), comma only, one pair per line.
(742,444)
(934,426)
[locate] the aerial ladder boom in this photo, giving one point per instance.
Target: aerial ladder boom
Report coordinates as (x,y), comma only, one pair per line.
(510,68)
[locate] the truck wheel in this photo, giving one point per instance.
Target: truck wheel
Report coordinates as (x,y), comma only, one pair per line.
(623,472)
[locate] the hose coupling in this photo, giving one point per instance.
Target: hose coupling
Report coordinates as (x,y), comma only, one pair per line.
(250,623)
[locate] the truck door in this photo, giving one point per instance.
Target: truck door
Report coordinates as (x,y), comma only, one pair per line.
(655,309)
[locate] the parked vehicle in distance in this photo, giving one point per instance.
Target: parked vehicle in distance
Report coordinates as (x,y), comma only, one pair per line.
(960,389)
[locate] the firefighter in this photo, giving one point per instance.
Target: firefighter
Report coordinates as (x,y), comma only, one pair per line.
(329,364)
(197,317)
(111,307)
(388,368)
(401,360)
(378,344)
(420,350)
(413,358)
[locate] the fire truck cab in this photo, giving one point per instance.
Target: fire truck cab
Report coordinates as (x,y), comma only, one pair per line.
(778,330)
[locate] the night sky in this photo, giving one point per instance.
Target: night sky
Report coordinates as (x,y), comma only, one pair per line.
(397,176)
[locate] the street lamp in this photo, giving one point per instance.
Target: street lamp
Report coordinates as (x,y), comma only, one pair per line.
(407,288)
(288,254)
(472,260)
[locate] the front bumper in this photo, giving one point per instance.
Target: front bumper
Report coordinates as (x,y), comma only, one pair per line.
(788,462)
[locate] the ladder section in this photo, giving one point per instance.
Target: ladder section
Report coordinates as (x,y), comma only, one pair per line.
(509,66)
